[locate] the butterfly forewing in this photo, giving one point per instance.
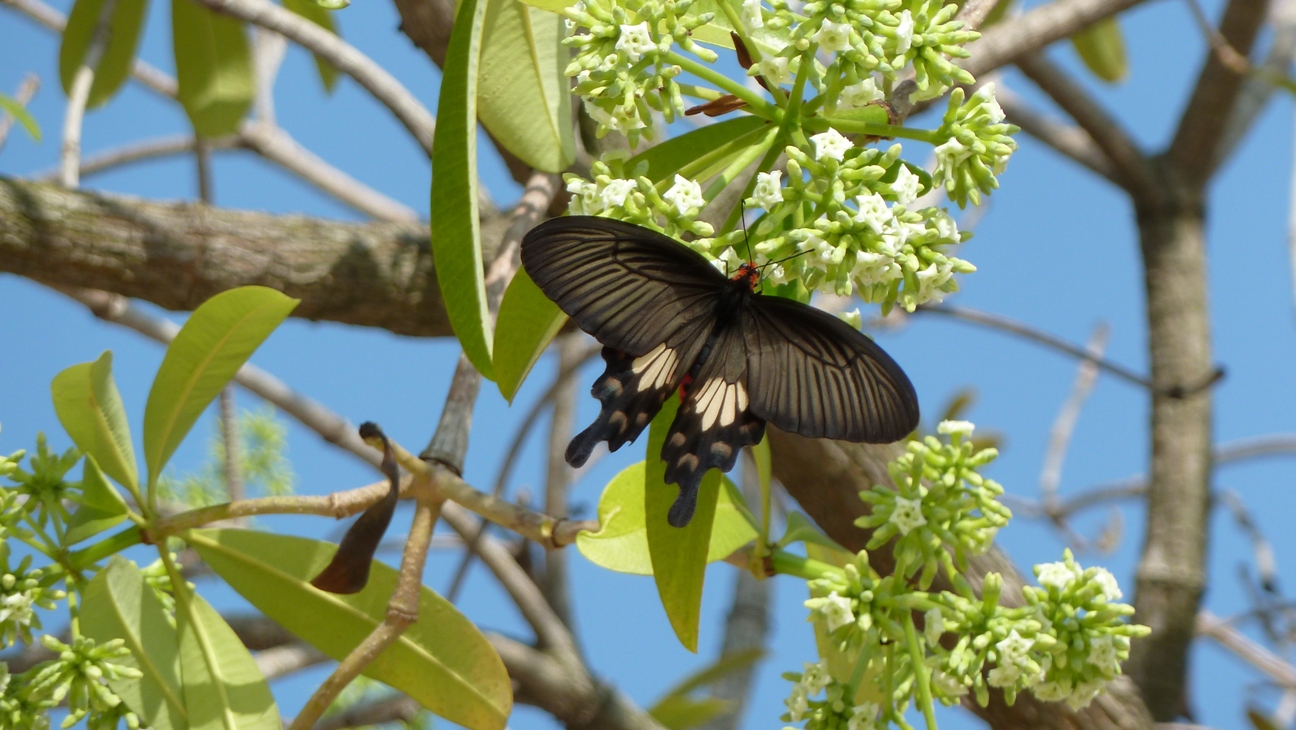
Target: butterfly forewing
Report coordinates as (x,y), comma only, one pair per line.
(814,375)
(631,288)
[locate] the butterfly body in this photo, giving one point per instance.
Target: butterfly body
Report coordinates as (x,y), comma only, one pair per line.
(669,321)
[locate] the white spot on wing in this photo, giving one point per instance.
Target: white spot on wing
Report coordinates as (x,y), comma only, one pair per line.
(710,402)
(657,368)
(742,397)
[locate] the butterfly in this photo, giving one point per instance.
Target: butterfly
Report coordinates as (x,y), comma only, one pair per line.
(668,321)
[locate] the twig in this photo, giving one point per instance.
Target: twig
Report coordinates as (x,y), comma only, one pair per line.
(202,160)
(397,708)
(26,91)
(1064,425)
(1248,650)
(79,95)
(1259,86)
(373,77)
(1226,53)
(283,660)
(1035,29)
(554,584)
(449,443)
(1116,145)
(229,422)
(1073,142)
(402,610)
(1266,565)
(139,152)
(268,48)
(1003,323)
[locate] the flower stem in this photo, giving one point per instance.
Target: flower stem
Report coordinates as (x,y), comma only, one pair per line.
(755,103)
(82,559)
(871,129)
(744,159)
(921,671)
(771,155)
(787,563)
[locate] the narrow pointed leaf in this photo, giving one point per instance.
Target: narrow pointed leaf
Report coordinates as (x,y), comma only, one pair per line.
(679,554)
(214,74)
(101,506)
(681,712)
(115,63)
(118,604)
(523,94)
(1102,48)
(218,338)
(665,159)
(456,234)
(443,661)
(322,17)
(223,687)
(90,408)
(10,106)
(528,321)
(621,544)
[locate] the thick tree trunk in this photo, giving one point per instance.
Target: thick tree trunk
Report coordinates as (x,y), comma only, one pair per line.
(1172,572)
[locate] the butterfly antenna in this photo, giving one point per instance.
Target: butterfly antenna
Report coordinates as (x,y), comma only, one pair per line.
(746,238)
(789,258)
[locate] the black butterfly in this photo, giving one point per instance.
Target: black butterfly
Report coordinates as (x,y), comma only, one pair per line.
(667,319)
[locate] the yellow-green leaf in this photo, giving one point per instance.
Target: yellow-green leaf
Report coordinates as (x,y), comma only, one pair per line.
(1102,48)
(523,94)
(118,604)
(212,345)
(101,506)
(115,63)
(527,322)
(443,661)
(223,687)
(321,16)
(621,544)
(90,408)
(214,76)
(10,106)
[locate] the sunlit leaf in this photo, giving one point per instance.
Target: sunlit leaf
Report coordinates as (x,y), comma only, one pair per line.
(214,76)
(223,687)
(528,321)
(115,63)
(101,506)
(1102,48)
(90,408)
(665,159)
(9,105)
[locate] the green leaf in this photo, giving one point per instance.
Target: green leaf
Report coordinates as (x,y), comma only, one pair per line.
(801,529)
(679,554)
(523,94)
(443,661)
(91,411)
(223,687)
(683,712)
(101,506)
(319,15)
(665,159)
(213,68)
(218,338)
(528,321)
(1102,49)
(621,544)
(456,237)
(11,106)
(115,63)
(118,604)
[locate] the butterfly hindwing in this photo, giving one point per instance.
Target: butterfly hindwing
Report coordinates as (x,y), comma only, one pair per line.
(631,288)
(812,374)
(713,423)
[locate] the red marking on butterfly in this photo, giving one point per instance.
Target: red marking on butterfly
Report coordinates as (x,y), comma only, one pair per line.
(684,385)
(748,274)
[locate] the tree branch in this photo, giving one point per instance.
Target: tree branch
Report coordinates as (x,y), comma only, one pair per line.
(1036,28)
(1194,153)
(179,255)
(1072,142)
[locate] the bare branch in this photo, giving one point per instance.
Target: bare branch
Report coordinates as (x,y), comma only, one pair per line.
(1036,28)
(1258,87)
(1194,152)
(554,584)
(373,77)
(1064,425)
(229,422)
(26,92)
(1248,650)
(398,708)
(79,95)
(1072,142)
(288,659)
(1117,146)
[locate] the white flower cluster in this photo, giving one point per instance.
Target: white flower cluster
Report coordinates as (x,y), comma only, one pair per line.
(22,591)
(834,710)
(976,148)
(636,200)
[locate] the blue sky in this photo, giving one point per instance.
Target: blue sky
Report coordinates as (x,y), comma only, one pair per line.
(1057,248)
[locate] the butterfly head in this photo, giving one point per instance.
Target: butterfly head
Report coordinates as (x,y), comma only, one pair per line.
(748,274)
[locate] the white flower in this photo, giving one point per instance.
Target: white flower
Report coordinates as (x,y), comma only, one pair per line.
(833,36)
(907,515)
(769,189)
(1105,580)
(1084,693)
(615,193)
(874,268)
(820,249)
(930,281)
(635,41)
(904,33)
(947,684)
(1054,575)
(863,717)
(933,626)
(830,145)
(907,185)
(815,677)
(860,94)
(949,156)
(852,318)
(775,69)
(1053,691)
(797,703)
(1004,675)
(962,428)
(685,195)
(987,95)
(835,610)
(945,225)
(1102,654)
(627,117)
(728,261)
(1013,649)
(751,14)
(873,212)
(776,274)
(17,608)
